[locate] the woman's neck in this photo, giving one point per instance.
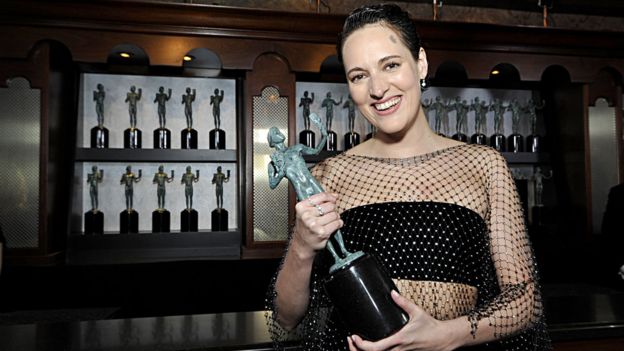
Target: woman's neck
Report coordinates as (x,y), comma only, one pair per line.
(418,139)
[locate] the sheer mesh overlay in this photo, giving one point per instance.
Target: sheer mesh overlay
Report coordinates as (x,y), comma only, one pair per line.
(449,229)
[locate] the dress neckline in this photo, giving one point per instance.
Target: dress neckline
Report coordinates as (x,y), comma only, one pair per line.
(409,159)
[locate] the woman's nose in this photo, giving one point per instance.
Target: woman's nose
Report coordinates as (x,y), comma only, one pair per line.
(378,87)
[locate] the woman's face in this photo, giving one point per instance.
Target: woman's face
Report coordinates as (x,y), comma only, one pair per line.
(384,78)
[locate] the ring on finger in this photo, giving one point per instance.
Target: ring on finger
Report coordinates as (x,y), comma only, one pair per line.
(312,203)
(320,210)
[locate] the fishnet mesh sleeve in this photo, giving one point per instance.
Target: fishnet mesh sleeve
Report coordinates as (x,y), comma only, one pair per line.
(518,305)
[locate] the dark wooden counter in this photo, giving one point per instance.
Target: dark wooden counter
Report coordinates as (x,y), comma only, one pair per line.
(578,317)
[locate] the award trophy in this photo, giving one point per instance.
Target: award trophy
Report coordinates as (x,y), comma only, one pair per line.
(534,141)
(441,114)
(352,138)
(99,134)
(162,135)
(461,112)
(332,139)
(132,135)
(515,142)
(220,214)
(497,140)
(538,212)
(480,109)
(188,216)
(217,135)
(94,219)
(358,287)
(188,135)
(306,136)
(129,218)
(161,218)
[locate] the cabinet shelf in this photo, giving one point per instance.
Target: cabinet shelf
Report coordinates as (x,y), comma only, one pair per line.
(153,247)
(155,155)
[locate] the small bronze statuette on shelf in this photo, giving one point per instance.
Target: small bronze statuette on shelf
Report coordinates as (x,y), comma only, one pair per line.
(220,214)
(132,135)
(481,109)
(189,216)
(94,218)
(161,218)
(306,136)
(352,138)
(461,108)
(129,218)
(534,142)
(515,142)
(188,135)
(332,139)
(99,133)
(162,135)
(497,140)
(217,135)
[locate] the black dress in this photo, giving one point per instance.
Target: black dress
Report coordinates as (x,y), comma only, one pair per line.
(449,229)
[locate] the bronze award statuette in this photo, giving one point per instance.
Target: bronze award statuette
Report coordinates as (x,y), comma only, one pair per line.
(217,135)
(219,216)
(351,138)
(161,218)
(357,285)
(189,216)
(162,135)
(99,133)
(188,136)
(129,218)
(133,135)
(306,136)
(94,218)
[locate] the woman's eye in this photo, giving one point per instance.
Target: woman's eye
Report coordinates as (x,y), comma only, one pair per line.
(356,78)
(392,65)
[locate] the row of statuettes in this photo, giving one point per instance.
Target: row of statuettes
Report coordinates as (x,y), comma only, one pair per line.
(161,217)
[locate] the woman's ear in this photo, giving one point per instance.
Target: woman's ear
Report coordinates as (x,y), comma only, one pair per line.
(423,65)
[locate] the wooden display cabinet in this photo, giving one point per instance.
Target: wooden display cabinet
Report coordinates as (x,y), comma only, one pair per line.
(568,68)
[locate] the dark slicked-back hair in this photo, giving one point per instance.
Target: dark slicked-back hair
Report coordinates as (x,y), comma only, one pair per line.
(390,15)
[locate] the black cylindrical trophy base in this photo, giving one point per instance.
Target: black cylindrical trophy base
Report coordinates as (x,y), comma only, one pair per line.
(460,137)
(534,143)
(361,293)
(219,220)
(161,221)
(479,139)
(515,143)
(94,223)
(132,138)
(99,138)
(307,138)
(497,141)
(162,138)
(217,139)
(128,222)
(332,141)
(368,136)
(188,221)
(350,140)
(188,138)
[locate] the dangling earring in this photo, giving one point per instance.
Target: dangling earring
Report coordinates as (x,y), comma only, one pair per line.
(423,84)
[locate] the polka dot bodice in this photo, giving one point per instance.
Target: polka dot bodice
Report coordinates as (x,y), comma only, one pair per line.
(448,228)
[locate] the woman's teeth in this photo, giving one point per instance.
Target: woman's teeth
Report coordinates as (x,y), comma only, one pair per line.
(386,105)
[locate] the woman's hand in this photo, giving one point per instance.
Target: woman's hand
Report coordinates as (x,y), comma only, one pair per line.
(422,332)
(316,221)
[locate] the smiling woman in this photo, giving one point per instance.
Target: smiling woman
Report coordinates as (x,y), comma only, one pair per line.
(442,217)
